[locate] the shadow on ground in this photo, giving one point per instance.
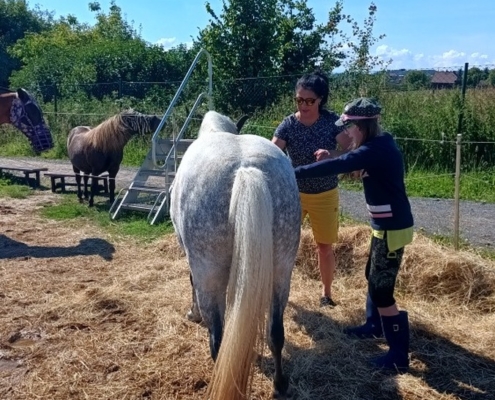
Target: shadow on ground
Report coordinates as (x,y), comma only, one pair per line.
(10,248)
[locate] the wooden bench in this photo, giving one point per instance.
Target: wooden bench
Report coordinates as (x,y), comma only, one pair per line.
(58,181)
(27,173)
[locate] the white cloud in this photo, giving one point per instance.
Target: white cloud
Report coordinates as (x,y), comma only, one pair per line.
(479,55)
(401,58)
(405,58)
(166,43)
(388,52)
(188,44)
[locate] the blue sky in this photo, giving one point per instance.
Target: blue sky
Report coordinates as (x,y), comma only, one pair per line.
(419,33)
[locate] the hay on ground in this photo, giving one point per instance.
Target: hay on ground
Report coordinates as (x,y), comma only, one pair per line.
(87,315)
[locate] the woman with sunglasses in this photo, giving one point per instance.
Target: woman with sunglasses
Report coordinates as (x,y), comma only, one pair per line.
(308,135)
(377,156)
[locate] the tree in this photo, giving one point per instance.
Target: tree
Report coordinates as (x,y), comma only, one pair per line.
(360,43)
(475,76)
(16,20)
(416,80)
(243,43)
(72,54)
(253,39)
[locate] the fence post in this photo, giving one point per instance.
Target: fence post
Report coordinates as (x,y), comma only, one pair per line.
(456,190)
(463,96)
(120,88)
(55,104)
(458,159)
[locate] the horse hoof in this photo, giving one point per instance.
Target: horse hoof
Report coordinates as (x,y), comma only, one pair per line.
(194,317)
(282,389)
(281,396)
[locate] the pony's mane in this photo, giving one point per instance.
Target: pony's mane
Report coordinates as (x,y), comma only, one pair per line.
(113,133)
(215,122)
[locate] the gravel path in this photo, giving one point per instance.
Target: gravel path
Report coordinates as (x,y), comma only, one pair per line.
(433,216)
(436,216)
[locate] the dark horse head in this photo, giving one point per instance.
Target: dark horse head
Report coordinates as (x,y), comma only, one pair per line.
(137,123)
(26,115)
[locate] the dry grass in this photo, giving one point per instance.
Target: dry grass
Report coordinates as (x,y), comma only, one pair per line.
(84,315)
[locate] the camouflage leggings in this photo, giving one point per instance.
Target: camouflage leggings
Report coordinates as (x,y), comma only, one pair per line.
(381,271)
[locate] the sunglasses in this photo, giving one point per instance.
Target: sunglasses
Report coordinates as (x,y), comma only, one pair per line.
(309,101)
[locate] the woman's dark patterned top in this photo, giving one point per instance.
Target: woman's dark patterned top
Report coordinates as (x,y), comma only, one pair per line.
(302,141)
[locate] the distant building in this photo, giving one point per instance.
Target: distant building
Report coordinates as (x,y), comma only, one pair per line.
(444,80)
(396,76)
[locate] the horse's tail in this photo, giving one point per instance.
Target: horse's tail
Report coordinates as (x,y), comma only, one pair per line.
(249,292)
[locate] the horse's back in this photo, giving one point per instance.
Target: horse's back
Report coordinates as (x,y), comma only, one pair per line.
(225,152)
(76,133)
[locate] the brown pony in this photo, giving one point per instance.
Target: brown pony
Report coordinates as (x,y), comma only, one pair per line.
(21,110)
(100,149)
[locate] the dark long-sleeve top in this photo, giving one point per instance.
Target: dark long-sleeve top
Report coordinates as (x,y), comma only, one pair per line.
(383,180)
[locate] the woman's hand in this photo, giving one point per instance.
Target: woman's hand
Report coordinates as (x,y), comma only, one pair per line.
(322,154)
(353,176)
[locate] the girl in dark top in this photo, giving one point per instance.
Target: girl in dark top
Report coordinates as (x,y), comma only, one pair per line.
(380,161)
(308,135)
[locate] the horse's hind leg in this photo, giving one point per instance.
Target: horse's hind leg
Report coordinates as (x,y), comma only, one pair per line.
(193,314)
(111,184)
(212,306)
(210,282)
(77,172)
(276,341)
(94,190)
(276,336)
(86,191)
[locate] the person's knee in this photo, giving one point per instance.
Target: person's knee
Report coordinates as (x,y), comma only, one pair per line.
(325,249)
(381,297)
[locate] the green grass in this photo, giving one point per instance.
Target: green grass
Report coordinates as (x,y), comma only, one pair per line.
(8,188)
(474,186)
(130,224)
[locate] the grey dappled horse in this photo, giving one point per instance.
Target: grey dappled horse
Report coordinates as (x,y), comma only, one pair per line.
(21,110)
(101,149)
(235,208)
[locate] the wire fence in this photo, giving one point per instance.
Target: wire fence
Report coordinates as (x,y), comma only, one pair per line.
(425,114)
(445,216)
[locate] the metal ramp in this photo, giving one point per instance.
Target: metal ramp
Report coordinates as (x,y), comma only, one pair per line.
(149,191)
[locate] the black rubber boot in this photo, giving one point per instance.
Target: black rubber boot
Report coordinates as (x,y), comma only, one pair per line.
(396,331)
(373,326)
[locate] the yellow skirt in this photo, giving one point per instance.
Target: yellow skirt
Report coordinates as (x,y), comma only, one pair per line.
(323,212)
